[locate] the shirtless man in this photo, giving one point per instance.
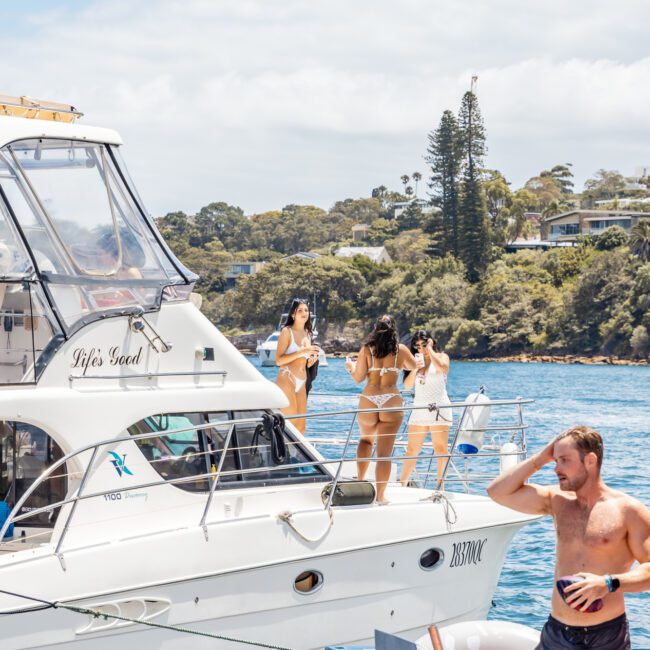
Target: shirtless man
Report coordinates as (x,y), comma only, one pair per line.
(600,533)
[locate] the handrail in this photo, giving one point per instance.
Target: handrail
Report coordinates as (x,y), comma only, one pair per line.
(244,471)
(215,480)
(102,443)
(215,475)
(407,407)
(339,469)
(151,375)
(26,105)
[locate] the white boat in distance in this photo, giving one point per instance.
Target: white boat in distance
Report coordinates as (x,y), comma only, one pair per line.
(157,499)
(267,350)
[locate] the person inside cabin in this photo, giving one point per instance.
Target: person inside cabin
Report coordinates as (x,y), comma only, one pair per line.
(117,258)
(124,258)
(295,353)
(429,383)
(601,534)
(379,361)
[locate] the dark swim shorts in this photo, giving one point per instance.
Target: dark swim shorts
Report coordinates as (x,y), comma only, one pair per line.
(611,635)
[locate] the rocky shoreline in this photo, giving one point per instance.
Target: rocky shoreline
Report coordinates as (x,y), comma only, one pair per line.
(564,359)
(335,348)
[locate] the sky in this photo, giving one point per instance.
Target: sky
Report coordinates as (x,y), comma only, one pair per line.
(264,103)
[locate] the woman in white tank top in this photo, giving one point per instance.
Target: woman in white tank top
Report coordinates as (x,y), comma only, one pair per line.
(429,382)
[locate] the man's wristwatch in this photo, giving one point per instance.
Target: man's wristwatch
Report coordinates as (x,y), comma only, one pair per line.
(612,582)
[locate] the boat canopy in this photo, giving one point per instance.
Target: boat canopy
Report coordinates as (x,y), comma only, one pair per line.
(75,245)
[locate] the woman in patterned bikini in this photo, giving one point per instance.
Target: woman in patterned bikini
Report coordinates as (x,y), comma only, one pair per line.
(380,361)
(295,353)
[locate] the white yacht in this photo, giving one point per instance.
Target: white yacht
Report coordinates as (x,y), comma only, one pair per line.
(155,498)
(267,349)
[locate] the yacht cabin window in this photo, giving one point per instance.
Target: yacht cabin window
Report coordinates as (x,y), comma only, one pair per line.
(26,451)
(87,236)
(185,452)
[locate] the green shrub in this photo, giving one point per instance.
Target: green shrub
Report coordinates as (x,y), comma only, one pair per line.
(612,238)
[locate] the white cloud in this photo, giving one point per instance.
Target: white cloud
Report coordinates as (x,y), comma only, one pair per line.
(265,103)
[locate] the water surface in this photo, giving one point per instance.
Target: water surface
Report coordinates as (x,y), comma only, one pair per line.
(615,400)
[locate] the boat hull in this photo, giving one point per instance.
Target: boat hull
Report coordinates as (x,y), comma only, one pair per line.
(366,588)
(266,355)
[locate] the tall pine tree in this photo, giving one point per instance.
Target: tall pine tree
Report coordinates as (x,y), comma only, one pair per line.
(474,243)
(444,157)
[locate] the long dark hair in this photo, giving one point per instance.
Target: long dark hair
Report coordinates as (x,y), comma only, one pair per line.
(384,339)
(291,319)
(423,335)
(420,335)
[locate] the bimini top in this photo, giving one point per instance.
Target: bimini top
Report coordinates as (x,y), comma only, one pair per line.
(76,243)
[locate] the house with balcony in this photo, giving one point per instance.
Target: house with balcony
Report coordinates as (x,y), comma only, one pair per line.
(400,207)
(568,226)
(234,270)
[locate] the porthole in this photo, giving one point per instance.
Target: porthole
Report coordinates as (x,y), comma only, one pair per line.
(431,558)
(308,582)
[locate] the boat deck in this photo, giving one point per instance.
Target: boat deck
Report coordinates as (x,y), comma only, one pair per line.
(26,538)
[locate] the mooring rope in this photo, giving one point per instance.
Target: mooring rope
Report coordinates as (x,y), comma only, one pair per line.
(287,518)
(447,506)
(46,604)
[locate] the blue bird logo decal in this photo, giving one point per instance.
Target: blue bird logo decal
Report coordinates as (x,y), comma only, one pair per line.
(119,463)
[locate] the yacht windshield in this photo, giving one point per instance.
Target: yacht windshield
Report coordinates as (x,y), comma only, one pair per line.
(89,241)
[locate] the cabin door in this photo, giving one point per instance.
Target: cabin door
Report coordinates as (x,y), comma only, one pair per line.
(26,451)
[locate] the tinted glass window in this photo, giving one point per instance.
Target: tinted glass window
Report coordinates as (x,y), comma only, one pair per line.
(182,454)
(256,452)
(178,454)
(25,453)
(30,334)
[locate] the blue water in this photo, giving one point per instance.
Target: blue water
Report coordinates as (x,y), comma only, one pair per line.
(615,400)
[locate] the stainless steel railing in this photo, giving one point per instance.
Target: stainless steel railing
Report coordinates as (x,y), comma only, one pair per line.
(517,431)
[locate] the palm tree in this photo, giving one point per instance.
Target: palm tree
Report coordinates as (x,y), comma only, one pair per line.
(640,240)
(408,191)
(551,210)
(405,179)
(416,176)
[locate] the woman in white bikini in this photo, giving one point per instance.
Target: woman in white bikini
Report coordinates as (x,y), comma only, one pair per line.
(380,361)
(295,353)
(430,382)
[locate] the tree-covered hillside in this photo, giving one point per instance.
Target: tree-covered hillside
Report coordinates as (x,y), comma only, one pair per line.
(587,299)
(450,272)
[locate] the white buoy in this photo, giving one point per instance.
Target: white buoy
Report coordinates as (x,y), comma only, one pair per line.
(472,431)
(509,456)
